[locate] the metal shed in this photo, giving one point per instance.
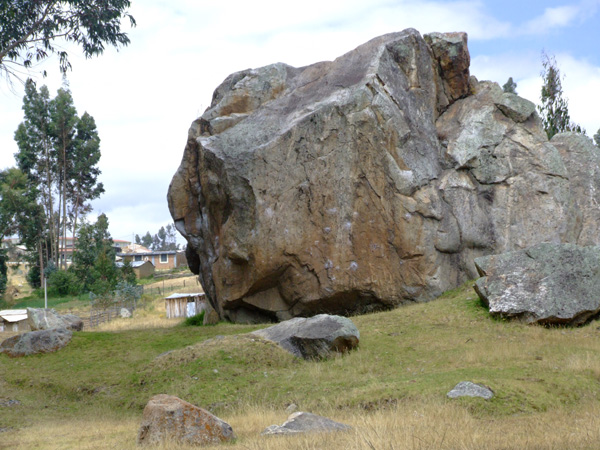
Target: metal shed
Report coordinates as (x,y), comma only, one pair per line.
(14,320)
(184,305)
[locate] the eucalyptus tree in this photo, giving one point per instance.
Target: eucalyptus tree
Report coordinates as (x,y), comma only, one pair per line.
(31,28)
(554,108)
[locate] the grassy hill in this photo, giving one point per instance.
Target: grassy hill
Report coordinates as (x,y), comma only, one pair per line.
(392,390)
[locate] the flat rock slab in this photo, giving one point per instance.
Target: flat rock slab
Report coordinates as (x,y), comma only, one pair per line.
(303,422)
(171,419)
(33,342)
(547,284)
(316,337)
(48,319)
(469,389)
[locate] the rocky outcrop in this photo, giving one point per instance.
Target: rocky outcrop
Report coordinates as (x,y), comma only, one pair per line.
(365,182)
(33,342)
(303,422)
(317,337)
(48,319)
(547,284)
(168,419)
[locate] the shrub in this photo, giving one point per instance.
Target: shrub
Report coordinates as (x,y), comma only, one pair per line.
(63,282)
(194,321)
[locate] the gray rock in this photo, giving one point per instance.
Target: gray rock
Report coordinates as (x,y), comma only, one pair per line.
(33,342)
(515,107)
(48,319)
(303,422)
(124,313)
(169,419)
(469,389)
(547,284)
(313,338)
(368,182)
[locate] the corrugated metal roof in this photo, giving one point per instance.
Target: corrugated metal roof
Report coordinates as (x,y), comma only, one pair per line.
(13,315)
(198,294)
(134,264)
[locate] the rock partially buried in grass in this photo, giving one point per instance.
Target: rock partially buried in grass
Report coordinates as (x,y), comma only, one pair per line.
(170,419)
(316,337)
(33,342)
(469,389)
(303,422)
(547,284)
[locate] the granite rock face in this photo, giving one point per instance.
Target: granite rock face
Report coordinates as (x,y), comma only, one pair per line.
(317,337)
(366,182)
(168,419)
(547,284)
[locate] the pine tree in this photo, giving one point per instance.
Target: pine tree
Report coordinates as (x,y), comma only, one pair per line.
(510,86)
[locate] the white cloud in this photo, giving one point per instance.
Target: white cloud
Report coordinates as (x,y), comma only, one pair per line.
(145,96)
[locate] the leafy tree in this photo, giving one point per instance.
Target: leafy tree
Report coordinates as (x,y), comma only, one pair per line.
(30,29)
(597,138)
(59,153)
(146,240)
(510,86)
(3,271)
(554,109)
(94,257)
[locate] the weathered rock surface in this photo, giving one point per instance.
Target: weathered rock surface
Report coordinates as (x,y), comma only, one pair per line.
(317,337)
(368,181)
(33,342)
(547,283)
(303,422)
(470,389)
(48,319)
(170,419)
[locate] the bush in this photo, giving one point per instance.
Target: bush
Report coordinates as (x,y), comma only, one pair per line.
(63,282)
(195,321)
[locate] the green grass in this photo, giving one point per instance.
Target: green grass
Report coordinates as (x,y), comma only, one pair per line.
(415,352)
(68,301)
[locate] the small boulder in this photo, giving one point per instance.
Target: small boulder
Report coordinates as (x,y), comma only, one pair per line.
(469,389)
(315,337)
(33,342)
(168,418)
(124,313)
(547,284)
(48,319)
(303,422)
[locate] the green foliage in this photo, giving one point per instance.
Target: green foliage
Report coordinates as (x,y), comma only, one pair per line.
(164,240)
(3,271)
(554,109)
(510,86)
(94,258)
(194,321)
(128,292)
(63,282)
(127,273)
(30,28)
(33,276)
(597,138)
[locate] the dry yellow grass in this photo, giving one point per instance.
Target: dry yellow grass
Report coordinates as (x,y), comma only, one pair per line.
(414,425)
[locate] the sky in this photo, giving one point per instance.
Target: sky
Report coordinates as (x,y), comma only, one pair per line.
(145,96)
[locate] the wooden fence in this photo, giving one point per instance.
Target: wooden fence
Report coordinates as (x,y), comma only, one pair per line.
(101,315)
(187,285)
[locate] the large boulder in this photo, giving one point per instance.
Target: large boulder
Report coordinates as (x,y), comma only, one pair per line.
(547,284)
(33,342)
(365,182)
(317,337)
(48,319)
(169,419)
